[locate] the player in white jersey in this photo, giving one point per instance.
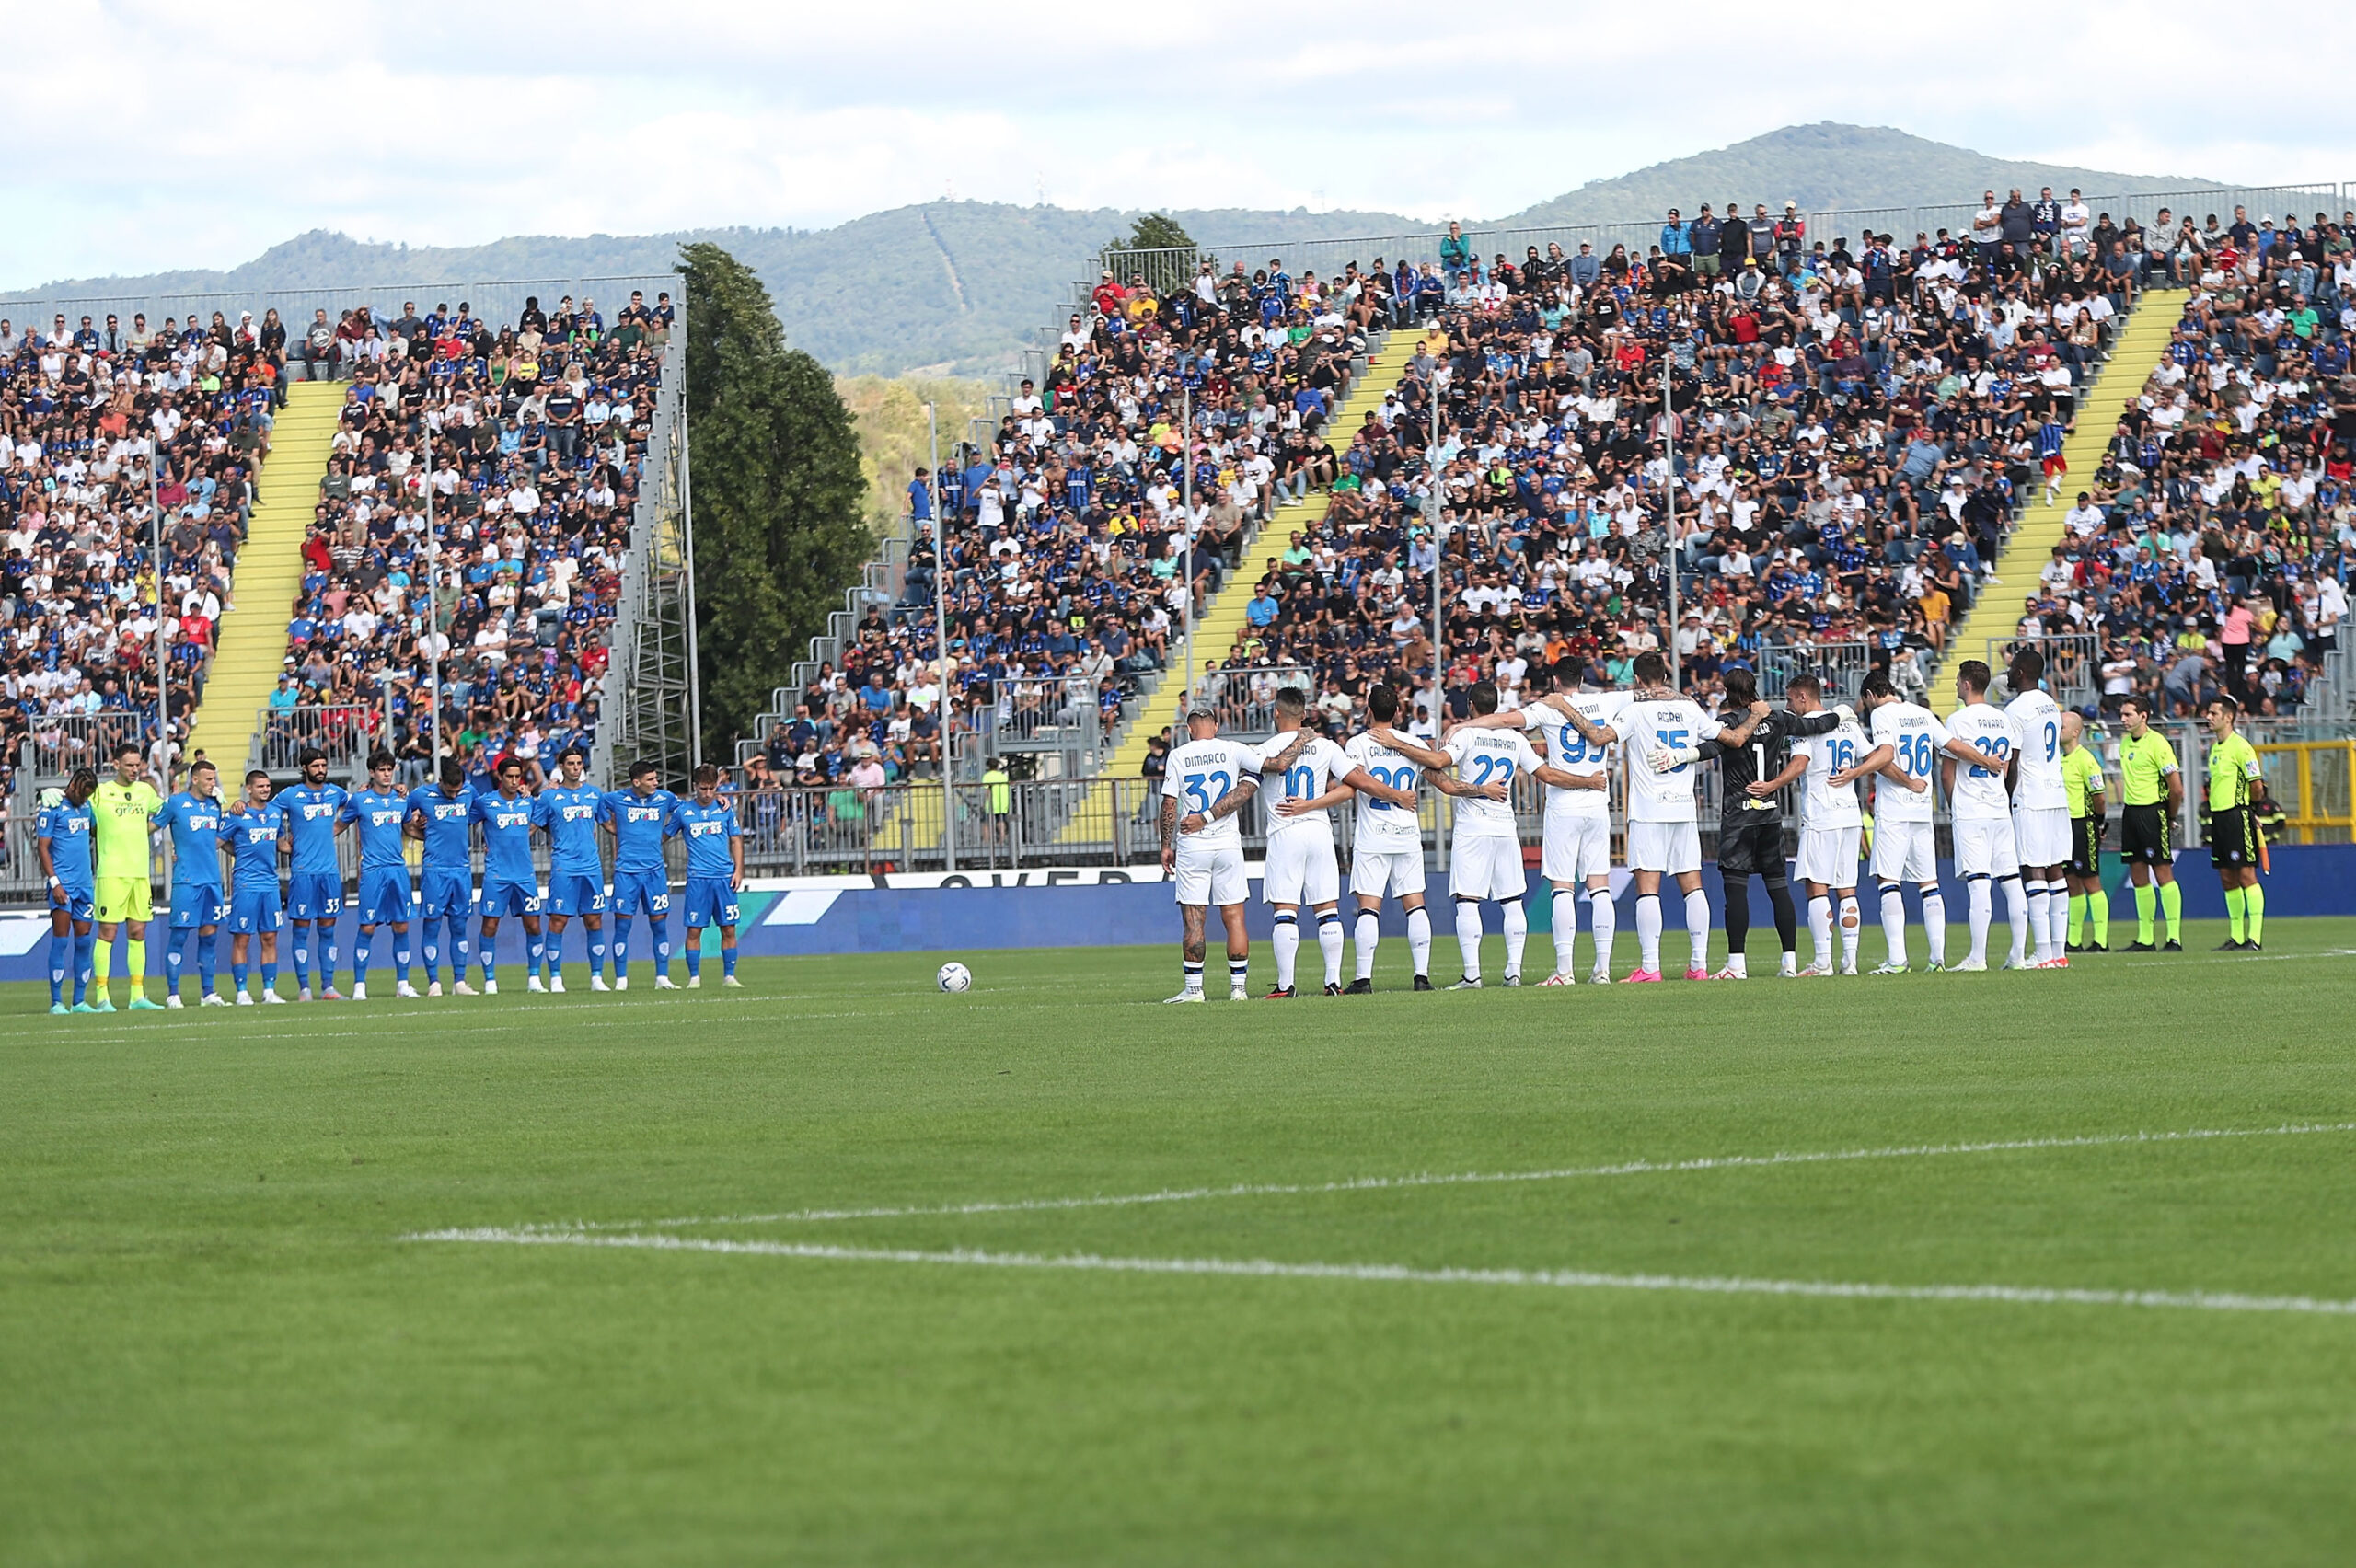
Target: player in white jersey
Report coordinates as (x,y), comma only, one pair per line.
(1201,850)
(1387,851)
(1981,807)
(1308,776)
(1485,850)
(2040,808)
(1664,734)
(1830,825)
(1908,742)
(1577,853)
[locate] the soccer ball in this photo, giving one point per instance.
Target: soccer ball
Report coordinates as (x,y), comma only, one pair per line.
(955,977)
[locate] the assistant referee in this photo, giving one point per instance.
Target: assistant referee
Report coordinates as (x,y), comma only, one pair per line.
(121,813)
(2081,777)
(2151,787)
(2233,826)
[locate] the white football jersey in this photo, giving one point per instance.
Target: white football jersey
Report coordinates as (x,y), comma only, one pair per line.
(1203,773)
(1308,776)
(1915,733)
(1488,757)
(1823,802)
(1979,794)
(1568,751)
(2036,719)
(1384,828)
(1649,725)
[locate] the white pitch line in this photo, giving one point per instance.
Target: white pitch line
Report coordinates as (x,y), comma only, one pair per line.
(1560,1279)
(1458,1179)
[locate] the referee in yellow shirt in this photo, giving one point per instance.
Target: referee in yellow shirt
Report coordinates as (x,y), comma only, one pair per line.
(2081,777)
(123,812)
(2232,827)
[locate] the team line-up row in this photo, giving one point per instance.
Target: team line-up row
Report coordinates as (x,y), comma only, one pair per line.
(2025,799)
(94,846)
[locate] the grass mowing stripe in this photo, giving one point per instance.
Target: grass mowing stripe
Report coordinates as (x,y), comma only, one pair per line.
(1564,1279)
(1467,1178)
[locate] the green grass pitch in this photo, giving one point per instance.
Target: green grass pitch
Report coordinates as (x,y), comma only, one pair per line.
(218,1344)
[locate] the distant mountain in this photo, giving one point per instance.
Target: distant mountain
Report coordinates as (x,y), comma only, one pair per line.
(958,287)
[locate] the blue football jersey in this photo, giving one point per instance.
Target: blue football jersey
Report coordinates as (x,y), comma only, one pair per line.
(639,823)
(379,815)
(311,814)
(68,830)
(194,824)
(253,835)
(708,830)
(450,833)
(569,815)
(506,836)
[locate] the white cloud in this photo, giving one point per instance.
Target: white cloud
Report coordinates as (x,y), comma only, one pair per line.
(221,130)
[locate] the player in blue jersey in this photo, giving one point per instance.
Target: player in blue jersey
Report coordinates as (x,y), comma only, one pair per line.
(567,811)
(441,817)
(379,815)
(715,874)
(315,891)
(62,841)
(508,886)
(638,818)
(191,820)
(256,828)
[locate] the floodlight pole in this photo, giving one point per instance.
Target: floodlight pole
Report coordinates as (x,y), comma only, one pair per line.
(1187,501)
(1668,446)
(156,564)
(940,649)
(433,614)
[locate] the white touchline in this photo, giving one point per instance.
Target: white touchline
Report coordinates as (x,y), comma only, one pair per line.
(1562,1279)
(1459,1179)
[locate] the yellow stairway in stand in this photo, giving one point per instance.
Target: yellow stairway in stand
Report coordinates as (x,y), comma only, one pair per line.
(252,646)
(1995,616)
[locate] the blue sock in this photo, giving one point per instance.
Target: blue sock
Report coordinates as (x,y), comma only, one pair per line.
(85,945)
(597,953)
(400,957)
(661,925)
(433,952)
(695,953)
(326,952)
(269,974)
(728,961)
(61,963)
(459,951)
(361,943)
(621,947)
(303,956)
(553,951)
(236,975)
(491,957)
(175,939)
(207,950)
(535,948)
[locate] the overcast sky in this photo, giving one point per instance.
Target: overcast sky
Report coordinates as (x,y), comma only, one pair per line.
(143,135)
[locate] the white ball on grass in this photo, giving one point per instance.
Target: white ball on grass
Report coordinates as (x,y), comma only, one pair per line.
(955,977)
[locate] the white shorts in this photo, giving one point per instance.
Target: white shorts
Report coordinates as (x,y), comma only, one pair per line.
(1210,876)
(1983,847)
(1577,847)
(1905,851)
(1672,847)
(1829,856)
(1302,867)
(1388,873)
(2042,834)
(1486,868)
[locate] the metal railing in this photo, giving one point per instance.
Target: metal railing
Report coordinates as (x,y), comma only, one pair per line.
(346,731)
(57,743)
(1246,698)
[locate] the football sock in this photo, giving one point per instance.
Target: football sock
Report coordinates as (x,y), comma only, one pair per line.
(175,941)
(2233,913)
(1935,924)
(207,951)
(1820,930)
(1564,910)
(1604,916)
(1982,911)
(269,974)
(1893,923)
(1419,939)
(2016,916)
(1329,943)
(2099,910)
(2253,911)
(1287,942)
(2172,910)
(85,942)
(1239,973)
(491,957)
(61,962)
(238,975)
(363,943)
(695,954)
(303,957)
(1649,932)
(2057,917)
(661,926)
(1468,937)
(103,962)
(326,957)
(1737,896)
(1697,928)
(1853,930)
(1787,915)
(459,951)
(2078,902)
(1367,938)
(433,954)
(400,957)
(535,948)
(728,961)
(1516,924)
(2147,906)
(1193,987)
(134,957)
(621,947)
(552,953)
(2032,899)
(598,954)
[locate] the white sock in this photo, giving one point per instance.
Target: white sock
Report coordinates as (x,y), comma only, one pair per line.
(1935,924)
(1697,926)
(1603,917)
(1565,911)
(1853,930)
(1516,921)
(1194,977)
(1649,932)
(2057,914)
(1820,930)
(1982,911)
(2017,917)
(1239,972)
(1893,923)
(1419,939)
(1468,937)
(2032,900)
(1369,936)
(1288,945)
(1329,942)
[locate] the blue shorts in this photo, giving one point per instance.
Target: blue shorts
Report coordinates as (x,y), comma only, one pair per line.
(637,889)
(449,893)
(710,902)
(314,895)
(576,893)
(81,903)
(383,897)
(508,898)
(194,906)
(255,909)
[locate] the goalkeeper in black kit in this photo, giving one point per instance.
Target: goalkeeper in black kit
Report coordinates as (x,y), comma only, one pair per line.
(1751,826)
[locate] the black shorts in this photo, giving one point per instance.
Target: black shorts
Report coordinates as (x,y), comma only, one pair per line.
(1752,847)
(2144,836)
(2086,855)
(2233,838)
